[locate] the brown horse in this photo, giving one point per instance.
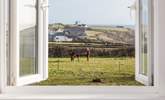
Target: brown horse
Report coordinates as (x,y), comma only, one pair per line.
(87,53)
(74,54)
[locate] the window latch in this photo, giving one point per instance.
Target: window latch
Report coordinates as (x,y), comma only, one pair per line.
(44,6)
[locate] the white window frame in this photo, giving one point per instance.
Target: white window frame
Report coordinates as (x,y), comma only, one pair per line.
(145,79)
(16,80)
(2,46)
(157,92)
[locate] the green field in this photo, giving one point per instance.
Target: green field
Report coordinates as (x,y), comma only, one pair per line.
(98,71)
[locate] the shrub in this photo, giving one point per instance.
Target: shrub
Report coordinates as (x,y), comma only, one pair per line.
(64,51)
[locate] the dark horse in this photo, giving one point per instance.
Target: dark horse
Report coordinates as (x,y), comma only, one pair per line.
(74,54)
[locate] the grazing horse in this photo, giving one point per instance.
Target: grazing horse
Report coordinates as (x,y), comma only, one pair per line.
(87,53)
(74,54)
(78,56)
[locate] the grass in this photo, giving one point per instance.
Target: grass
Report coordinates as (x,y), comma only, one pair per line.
(144,64)
(109,71)
(27,66)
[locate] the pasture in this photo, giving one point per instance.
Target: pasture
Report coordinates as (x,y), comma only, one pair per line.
(103,71)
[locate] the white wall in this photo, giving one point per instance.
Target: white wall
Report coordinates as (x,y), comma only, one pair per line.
(160,21)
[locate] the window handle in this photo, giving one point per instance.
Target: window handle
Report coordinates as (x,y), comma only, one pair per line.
(132,8)
(44,6)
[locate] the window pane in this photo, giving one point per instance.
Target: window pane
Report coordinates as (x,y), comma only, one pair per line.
(28,37)
(144,36)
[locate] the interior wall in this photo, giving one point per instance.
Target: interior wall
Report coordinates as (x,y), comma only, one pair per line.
(160,30)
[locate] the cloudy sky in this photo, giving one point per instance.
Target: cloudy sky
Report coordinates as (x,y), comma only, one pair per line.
(100,12)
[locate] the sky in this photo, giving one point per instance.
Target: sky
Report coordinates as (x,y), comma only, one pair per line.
(92,12)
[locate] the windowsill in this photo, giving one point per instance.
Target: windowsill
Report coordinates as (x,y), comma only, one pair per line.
(80,92)
(81,97)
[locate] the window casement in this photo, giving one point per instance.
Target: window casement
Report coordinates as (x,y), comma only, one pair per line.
(144,43)
(37,9)
(28,42)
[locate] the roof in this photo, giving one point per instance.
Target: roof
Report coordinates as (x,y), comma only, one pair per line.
(75,29)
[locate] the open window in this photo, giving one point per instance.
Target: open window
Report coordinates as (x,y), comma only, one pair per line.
(144,43)
(28,49)
(29,42)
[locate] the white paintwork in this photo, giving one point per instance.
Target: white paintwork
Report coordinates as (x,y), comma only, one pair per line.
(14,41)
(160,30)
(144,79)
(16,21)
(3,30)
(137,46)
(82,93)
(44,6)
(106,93)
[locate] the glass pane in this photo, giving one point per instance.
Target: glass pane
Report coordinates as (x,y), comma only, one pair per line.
(28,37)
(144,36)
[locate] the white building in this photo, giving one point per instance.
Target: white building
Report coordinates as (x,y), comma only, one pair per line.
(62,38)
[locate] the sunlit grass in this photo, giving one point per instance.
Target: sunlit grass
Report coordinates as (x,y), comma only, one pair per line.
(110,71)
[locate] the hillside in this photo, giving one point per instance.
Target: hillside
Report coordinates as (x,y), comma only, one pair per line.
(104,34)
(111,34)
